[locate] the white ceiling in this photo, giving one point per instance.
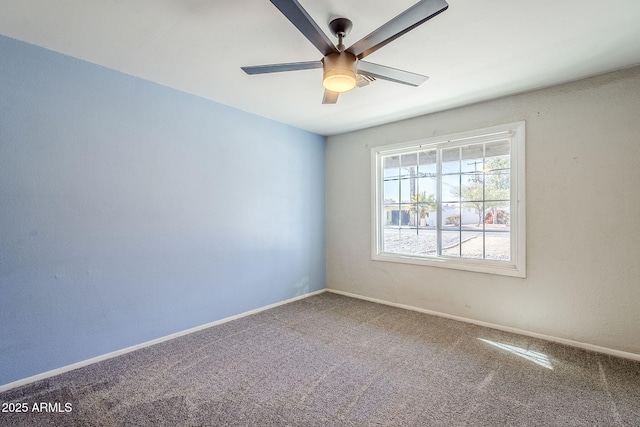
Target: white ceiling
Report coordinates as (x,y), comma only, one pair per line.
(476,50)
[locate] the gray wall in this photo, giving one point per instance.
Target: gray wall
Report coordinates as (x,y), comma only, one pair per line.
(130,211)
(583,270)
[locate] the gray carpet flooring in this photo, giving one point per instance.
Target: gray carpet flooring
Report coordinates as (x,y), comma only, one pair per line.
(330,360)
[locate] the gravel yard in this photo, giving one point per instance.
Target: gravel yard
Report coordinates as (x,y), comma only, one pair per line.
(467,243)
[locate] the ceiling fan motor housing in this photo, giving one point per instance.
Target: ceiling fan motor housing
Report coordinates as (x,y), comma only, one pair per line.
(339,71)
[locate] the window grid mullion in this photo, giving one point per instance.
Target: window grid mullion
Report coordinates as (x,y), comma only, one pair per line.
(417,186)
(439,201)
(484,201)
(460,202)
(399,198)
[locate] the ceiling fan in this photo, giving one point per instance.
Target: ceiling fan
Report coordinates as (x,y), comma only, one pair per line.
(343,68)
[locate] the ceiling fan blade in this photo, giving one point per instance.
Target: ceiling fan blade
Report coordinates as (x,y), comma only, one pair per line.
(307,26)
(330,97)
(417,14)
(390,74)
(278,68)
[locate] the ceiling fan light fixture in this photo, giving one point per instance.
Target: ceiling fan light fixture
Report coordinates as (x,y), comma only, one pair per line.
(339,72)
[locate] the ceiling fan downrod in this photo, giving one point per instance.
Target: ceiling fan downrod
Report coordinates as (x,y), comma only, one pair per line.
(340,27)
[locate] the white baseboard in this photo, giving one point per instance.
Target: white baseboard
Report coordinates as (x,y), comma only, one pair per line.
(120,352)
(578,344)
(58,371)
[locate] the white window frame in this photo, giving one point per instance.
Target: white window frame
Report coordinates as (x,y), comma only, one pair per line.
(516,266)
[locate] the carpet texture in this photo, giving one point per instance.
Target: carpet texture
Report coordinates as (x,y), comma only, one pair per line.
(330,360)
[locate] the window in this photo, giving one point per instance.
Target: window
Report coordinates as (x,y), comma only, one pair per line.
(455,201)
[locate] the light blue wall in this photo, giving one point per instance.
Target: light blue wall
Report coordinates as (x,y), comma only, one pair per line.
(130,211)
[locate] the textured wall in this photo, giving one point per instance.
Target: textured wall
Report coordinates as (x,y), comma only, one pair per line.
(130,211)
(583,216)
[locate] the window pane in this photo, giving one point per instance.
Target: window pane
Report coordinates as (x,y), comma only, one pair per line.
(426,213)
(405,215)
(391,240)
(472,158)
(497,216)
(497,244)
(497,149)
(472,191)
(425,200)
(427,242)
(391,167)
(502,216)
(450,188)
(451,243)
(451,216)
(427,162)
(472,244)
(472,178)
(451,160)
(497,170)
(391,215)
(497,163)
(414,212)
(497,232)
(431,217)
(427,188)
(497,185)
(391,192)
(409,241)
(407,189)
(472,215)
(409,164)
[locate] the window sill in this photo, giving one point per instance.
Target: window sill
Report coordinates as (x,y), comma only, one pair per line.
(481,266)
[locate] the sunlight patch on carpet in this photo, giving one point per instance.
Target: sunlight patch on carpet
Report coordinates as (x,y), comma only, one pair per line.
(533,356)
